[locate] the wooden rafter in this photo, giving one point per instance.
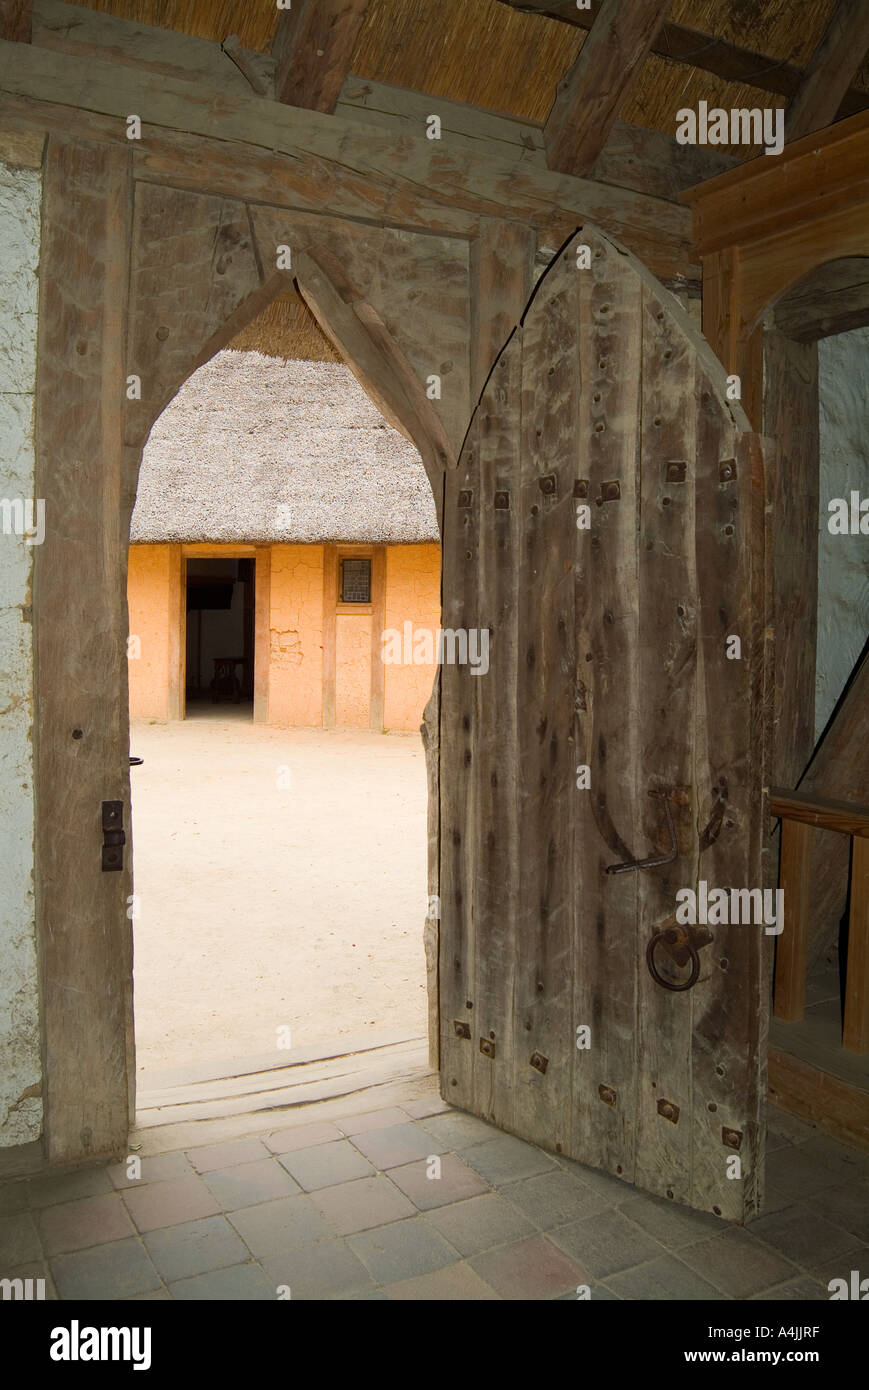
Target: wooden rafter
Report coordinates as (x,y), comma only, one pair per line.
(834,64)
(592,91)
(16,20)
(312,50)
(681,45)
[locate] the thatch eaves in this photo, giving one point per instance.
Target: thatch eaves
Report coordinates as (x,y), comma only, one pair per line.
(256,449)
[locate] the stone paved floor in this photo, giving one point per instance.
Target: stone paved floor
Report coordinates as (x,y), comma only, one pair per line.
(345,1210)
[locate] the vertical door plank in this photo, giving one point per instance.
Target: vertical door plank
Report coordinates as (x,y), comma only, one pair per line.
(730,1009)
(545,681)
(498,848)
(606,818)
(460,1036)
(668,658)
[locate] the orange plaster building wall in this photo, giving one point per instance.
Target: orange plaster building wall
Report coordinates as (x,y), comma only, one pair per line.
(296,636)
(413,594)
(296,623)
(148,590)
(352,670)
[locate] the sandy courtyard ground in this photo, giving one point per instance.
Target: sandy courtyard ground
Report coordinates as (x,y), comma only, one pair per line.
(265,906)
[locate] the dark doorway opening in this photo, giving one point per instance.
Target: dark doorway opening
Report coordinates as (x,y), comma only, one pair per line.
(220,634)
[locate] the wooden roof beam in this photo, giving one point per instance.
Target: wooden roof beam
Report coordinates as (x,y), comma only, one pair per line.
(312,50)
(591,93)
(835,63)
(703,51)
(16,20)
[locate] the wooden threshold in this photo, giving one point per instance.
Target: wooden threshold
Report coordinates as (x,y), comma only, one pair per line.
(301,1092)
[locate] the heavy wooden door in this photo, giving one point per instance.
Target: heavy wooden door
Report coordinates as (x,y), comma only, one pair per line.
(605,526)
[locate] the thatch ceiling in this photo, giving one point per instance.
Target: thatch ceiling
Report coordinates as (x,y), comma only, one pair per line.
(482,52)
(489,55)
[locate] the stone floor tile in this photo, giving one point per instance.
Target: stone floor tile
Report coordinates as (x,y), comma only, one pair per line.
(554,1198)
(327,1270)
(840,1266)
(169,1203)
(847,1165)
(796,1172)
(669,1222)
(506,1159)
(738,1264)
(395,1145)
(275,1227)
(789,1127)
(67,1187)
(358,1206)
(456,1130)
(248,1184)
(481,1223)
(607,1243)
(77,1225)
(402,1251)
(284,1141)
(19,1240)
(615,1189)
(425,1106)
(456,1283)
(456,1182)
(326,1165)
(195,1247)
(13,1198)
(373,1119)
(803,1235)
(532,1269)
(32,1270)
(666,1277)
(799,1290)
(237,1284)
(119,1269)
(158,1296)
(156,1168)
(227,1155)
(846,1205)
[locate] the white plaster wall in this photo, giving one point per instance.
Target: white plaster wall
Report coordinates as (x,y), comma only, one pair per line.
(843,561)
(20,1064)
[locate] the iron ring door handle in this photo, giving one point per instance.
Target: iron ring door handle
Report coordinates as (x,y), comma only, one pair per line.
(674,937)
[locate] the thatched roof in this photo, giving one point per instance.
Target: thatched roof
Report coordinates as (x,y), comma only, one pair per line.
(257,449)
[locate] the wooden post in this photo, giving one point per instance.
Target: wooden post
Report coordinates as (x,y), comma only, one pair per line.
(855,1035)
(262,634)
(792,948)
(80,623)
(330,602)
(175,704)
(378,609)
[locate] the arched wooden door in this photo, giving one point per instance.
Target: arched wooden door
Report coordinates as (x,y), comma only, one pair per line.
(605,527)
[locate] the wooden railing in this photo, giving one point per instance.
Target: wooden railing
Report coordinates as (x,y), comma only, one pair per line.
(800,814)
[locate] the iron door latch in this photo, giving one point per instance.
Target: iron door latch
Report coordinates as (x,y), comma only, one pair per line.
(114,837)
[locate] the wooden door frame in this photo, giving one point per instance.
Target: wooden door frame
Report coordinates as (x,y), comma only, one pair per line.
(763,226)
(89,1056)
(759,230)
(261,556)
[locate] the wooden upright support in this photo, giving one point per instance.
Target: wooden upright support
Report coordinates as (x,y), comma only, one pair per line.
(793,943)
(800,813)
(855,1034)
